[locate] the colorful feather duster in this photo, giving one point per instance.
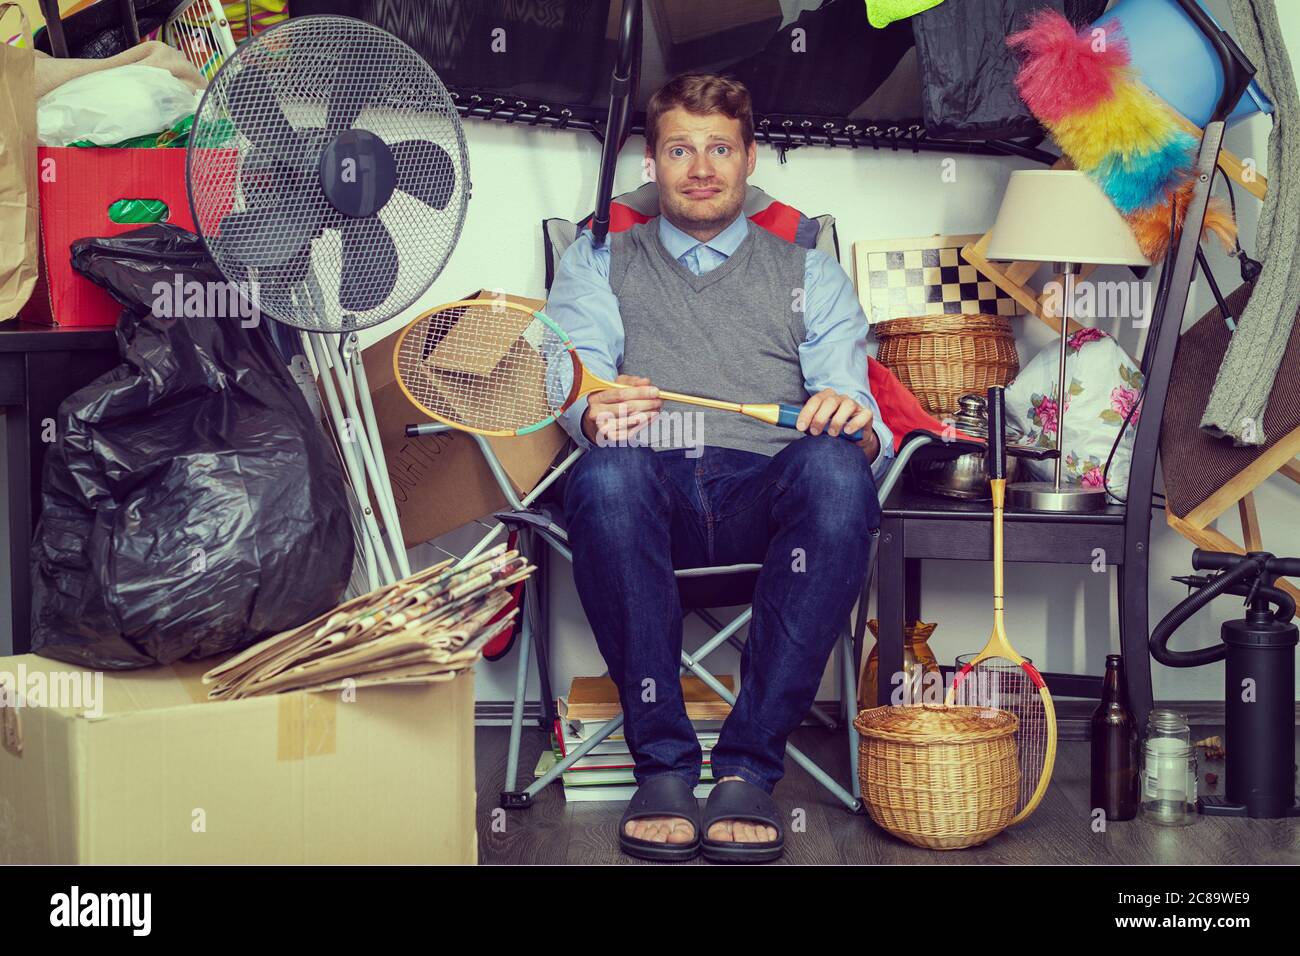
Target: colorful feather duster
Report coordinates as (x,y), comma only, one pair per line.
(1083,88)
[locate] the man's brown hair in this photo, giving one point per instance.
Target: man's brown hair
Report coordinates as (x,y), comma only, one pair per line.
(700,93)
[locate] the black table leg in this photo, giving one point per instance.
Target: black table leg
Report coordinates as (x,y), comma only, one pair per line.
(16,638)
(1133,632)
(891,598)
(912,602)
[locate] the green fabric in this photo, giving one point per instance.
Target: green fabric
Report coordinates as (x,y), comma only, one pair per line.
(1250,366)
(881,13)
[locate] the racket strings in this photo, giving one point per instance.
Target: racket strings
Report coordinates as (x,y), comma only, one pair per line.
(485,366)
(1001,684)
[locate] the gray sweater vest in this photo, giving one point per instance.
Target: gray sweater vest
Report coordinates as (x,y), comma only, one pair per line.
(732,334)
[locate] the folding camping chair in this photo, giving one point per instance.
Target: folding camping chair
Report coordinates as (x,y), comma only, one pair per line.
(700,590)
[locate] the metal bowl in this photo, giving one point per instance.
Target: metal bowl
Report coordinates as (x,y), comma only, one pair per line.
(965,477)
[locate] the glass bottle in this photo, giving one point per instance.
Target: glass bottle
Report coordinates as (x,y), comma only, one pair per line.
(1114,748)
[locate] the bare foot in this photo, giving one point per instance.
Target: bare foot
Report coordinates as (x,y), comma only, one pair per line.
(741,831)
(661,829)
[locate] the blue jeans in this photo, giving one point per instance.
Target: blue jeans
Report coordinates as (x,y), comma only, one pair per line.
(634,514)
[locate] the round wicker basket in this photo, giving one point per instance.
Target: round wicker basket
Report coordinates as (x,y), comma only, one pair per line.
(943,357)
(939,777)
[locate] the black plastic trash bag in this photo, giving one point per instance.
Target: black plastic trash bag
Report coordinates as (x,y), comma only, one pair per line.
(191,504)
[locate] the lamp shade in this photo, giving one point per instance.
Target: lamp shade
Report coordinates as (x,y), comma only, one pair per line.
(1060,215)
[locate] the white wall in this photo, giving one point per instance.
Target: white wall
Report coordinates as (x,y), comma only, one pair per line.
(1060,616)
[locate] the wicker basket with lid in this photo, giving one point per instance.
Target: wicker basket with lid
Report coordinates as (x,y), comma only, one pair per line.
(939,777)
(943,357)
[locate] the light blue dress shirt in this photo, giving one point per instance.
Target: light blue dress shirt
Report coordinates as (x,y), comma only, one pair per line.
(833,354)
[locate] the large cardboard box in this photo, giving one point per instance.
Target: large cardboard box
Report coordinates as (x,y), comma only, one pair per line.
(442,482)
(139,767)
(77,187)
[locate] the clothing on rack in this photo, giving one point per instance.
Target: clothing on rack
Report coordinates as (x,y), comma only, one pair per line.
(1241,391)
(967,71)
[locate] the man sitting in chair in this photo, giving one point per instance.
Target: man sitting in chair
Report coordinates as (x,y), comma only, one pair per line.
(700,301)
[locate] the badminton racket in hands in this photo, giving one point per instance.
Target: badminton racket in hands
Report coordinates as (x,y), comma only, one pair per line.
(498,368)
(999,677)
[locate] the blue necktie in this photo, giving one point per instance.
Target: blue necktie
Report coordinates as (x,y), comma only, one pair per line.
(693,261)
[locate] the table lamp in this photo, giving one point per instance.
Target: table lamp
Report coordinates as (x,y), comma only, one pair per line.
(1060,216)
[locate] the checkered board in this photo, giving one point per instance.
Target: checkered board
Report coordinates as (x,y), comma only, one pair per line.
(898,278)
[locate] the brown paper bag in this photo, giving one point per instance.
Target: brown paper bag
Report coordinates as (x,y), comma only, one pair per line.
(18,220)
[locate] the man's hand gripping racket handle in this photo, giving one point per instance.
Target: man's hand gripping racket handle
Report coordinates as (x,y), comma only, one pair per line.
(788,415)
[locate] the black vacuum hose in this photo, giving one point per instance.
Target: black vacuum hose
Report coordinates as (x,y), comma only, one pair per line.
(1191,604)
(1284,601)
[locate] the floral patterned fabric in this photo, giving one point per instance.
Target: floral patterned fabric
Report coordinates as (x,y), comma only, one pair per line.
(1103,385)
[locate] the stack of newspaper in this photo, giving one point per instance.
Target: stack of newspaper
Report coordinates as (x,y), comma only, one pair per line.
(428,627)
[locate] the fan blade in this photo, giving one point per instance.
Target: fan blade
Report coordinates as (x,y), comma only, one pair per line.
(347,91)
(369,264)
(277,282)
(425,170)
(262,237)
(263,180)
(255,111)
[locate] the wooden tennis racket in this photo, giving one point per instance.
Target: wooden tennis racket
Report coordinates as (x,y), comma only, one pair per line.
(999,677)
(498,368)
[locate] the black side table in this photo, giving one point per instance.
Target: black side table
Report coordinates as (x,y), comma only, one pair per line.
(39,367)
(916,526)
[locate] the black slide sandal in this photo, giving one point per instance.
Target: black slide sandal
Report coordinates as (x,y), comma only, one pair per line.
(663,796)
(741,800)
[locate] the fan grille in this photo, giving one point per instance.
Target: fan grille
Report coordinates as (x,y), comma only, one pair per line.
(254,181)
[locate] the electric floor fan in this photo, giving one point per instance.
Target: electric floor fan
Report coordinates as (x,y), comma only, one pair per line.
(328,177)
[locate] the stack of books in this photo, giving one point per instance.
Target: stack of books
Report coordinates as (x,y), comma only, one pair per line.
(605,771)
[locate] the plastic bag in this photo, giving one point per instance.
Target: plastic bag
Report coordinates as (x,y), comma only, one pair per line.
(177,137)
(191,504)
(113,105)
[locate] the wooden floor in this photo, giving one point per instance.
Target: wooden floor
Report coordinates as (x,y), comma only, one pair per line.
(553,831)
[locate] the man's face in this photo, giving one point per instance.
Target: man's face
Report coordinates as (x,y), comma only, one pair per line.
(702,166)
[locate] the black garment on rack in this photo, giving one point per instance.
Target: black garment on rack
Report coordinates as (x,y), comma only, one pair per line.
(968,73)
(830,68)
(551,50)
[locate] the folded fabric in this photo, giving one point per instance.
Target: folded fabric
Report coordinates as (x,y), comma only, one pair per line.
(1251,367)
(881,13)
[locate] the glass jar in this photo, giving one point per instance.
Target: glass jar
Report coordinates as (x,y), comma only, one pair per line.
(1168,723)
(918,661)
(1169,770)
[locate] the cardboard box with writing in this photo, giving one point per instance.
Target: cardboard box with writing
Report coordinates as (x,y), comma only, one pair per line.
(442,482)
(139,767)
